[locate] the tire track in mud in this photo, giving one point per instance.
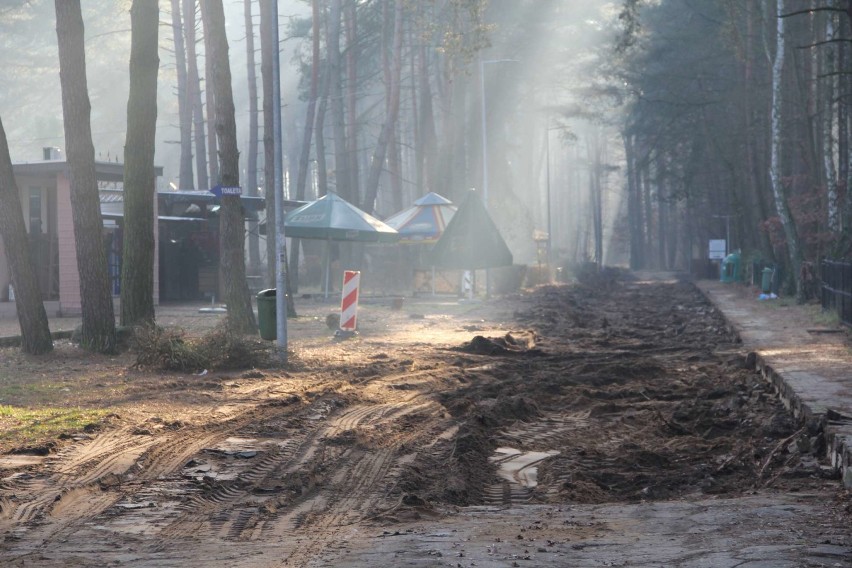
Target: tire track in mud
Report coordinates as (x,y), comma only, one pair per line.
(243,511)
(46,495)
(246,509)
(87,479)
(281,490)
(535,441)
(357,487)
(214,513)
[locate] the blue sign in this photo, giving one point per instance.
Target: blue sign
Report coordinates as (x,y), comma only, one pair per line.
(220,190)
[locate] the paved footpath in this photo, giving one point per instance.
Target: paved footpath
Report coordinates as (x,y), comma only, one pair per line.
(809,362)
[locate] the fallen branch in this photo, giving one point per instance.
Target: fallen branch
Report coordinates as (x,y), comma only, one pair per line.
(776,449)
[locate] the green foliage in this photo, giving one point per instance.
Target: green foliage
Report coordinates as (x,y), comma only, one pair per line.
(631,25)
(26,425)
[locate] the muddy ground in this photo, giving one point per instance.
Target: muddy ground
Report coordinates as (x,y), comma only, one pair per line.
(614,422)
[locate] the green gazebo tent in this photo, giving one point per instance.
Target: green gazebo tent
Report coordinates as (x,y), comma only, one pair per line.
(331,218)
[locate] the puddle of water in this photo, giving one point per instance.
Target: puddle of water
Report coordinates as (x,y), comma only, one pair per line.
(520,467)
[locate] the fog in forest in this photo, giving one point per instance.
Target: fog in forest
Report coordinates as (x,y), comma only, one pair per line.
(628,132)
(551,114)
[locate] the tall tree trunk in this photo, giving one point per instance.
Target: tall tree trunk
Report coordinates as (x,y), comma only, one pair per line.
(322,165)
(210,103)
(394,156)
(335,93)
(828,115)
(231,221)
(597,205)
(98,333)
(414,138)
(428,143)
(266,47)
(137,267)
(845,126)
(35,333)
(662,218)
(305,156)
(842,123)
(194,94)
(352,39)
(755,175)
(186,179)
(634,213)
(378,161)
(395,169)
(458,175)
(251,167)
(793,248)
(644,172)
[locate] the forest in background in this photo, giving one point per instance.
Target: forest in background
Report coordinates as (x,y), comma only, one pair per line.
(634,131)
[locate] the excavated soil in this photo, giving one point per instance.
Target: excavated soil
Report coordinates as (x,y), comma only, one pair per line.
(616,391)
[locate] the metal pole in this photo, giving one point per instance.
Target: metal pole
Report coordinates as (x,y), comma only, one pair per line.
(549,234)
(727,234)
(484,160)
(278,188)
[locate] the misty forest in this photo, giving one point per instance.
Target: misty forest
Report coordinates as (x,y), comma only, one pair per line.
(616,133)
(550,283)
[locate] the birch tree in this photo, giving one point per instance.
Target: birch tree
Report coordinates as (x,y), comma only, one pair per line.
(778,191)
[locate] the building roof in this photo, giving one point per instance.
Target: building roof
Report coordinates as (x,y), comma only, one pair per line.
(104,171)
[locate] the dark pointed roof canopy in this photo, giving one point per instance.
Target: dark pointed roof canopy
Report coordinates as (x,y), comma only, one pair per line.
(471,240)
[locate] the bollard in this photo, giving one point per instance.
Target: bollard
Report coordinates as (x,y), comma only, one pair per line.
(467,283)
(349,301)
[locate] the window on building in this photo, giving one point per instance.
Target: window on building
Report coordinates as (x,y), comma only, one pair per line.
(35,211)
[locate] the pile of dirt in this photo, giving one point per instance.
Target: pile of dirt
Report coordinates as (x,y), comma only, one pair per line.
(636,392)
(514,342)
(648,399)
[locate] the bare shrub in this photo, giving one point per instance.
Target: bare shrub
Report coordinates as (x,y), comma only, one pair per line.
(227,349)
(167,349)
(222,348)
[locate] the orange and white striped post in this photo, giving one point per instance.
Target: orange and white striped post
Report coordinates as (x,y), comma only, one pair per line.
(349,301)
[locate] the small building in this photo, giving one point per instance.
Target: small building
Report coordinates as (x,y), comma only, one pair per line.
(187,267)
(186,259)
(45,191)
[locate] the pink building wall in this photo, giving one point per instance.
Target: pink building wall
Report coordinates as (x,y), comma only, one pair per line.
(70,302)
(69,277)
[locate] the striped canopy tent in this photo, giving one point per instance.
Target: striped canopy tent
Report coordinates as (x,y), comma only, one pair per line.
(423,224)
(425,221)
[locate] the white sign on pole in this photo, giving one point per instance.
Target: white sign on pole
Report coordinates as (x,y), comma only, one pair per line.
(717,249)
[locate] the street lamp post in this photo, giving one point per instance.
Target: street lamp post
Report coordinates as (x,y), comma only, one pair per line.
(482,64)
(549,228)
(280,241)
(727,219)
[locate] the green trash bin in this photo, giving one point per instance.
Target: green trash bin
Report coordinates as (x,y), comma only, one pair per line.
(766,280)
(266,308)
(730,268)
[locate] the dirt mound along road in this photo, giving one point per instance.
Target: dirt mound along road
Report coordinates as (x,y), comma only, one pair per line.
(628,393)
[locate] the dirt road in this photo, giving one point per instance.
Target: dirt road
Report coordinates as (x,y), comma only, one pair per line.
(612,424)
